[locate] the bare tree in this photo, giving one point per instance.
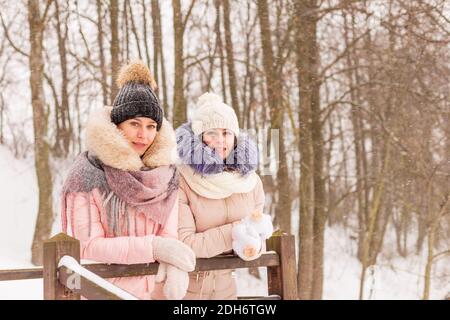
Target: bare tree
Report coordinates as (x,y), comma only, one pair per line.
(230,59)
(37,23)
(306,40)
(144,27)
(158,54)
(219,43)
(134,29)
(101,52)
(179,25)
(276,104)
(115,48)
(63,119)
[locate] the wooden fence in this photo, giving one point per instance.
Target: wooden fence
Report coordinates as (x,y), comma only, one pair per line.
(63,281)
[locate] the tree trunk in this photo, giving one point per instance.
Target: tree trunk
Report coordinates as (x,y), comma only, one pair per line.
(101,53)
(319,202)
(159,52)
(125,51)
(40,119)
(248,78)
(312,184)
(230,59)
(275,101)
(64,135)
(320,213)
(373,217)
(428,266)
(179,102)
(134,30)
(147,50)
(220,49)
(115,49)
(305,40)
(357,138)
(434,225)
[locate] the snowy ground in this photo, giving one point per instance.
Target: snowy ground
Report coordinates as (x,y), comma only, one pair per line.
(393,278)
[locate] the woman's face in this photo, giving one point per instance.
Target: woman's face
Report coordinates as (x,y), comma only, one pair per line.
(221,140)
(140,133)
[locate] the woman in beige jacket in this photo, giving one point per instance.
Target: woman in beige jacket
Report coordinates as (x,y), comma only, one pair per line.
(218,188)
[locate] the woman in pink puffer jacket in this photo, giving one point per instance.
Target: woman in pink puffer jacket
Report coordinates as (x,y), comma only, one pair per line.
(120,198)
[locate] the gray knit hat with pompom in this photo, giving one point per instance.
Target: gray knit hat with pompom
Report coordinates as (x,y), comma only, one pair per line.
(136,97)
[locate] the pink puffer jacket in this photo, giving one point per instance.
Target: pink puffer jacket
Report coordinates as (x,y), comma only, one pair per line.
(132,249)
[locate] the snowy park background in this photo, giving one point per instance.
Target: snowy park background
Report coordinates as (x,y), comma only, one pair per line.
(358,92)
(393,278)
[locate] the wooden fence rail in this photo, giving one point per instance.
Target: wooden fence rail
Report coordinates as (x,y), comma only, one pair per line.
(279,260)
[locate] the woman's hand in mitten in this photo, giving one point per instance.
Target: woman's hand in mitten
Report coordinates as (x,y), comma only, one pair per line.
(262,224)
(177,281)
(246,242)
(174,252)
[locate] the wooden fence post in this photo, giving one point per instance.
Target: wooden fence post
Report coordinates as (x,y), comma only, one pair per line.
(283,278)
(54,249)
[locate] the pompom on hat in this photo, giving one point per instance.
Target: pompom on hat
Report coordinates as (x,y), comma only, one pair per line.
(212,112)
(136,97)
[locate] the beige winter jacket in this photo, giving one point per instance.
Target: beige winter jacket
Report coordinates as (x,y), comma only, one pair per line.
(205,225)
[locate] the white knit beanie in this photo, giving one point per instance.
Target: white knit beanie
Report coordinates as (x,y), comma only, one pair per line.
(212,113)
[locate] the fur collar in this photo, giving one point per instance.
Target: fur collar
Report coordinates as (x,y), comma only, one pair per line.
(193,152)
(107,142)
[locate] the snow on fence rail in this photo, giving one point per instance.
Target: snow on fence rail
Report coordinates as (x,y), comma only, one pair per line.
(66,279)
(73,276)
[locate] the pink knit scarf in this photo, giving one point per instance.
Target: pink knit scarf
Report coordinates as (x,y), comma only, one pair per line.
(150,190)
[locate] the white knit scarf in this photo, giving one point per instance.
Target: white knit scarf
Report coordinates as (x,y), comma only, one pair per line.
(220,185)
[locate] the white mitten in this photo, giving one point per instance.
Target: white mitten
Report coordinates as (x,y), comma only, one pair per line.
(262,224)
(177,281)
(174,252)
(246,241)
